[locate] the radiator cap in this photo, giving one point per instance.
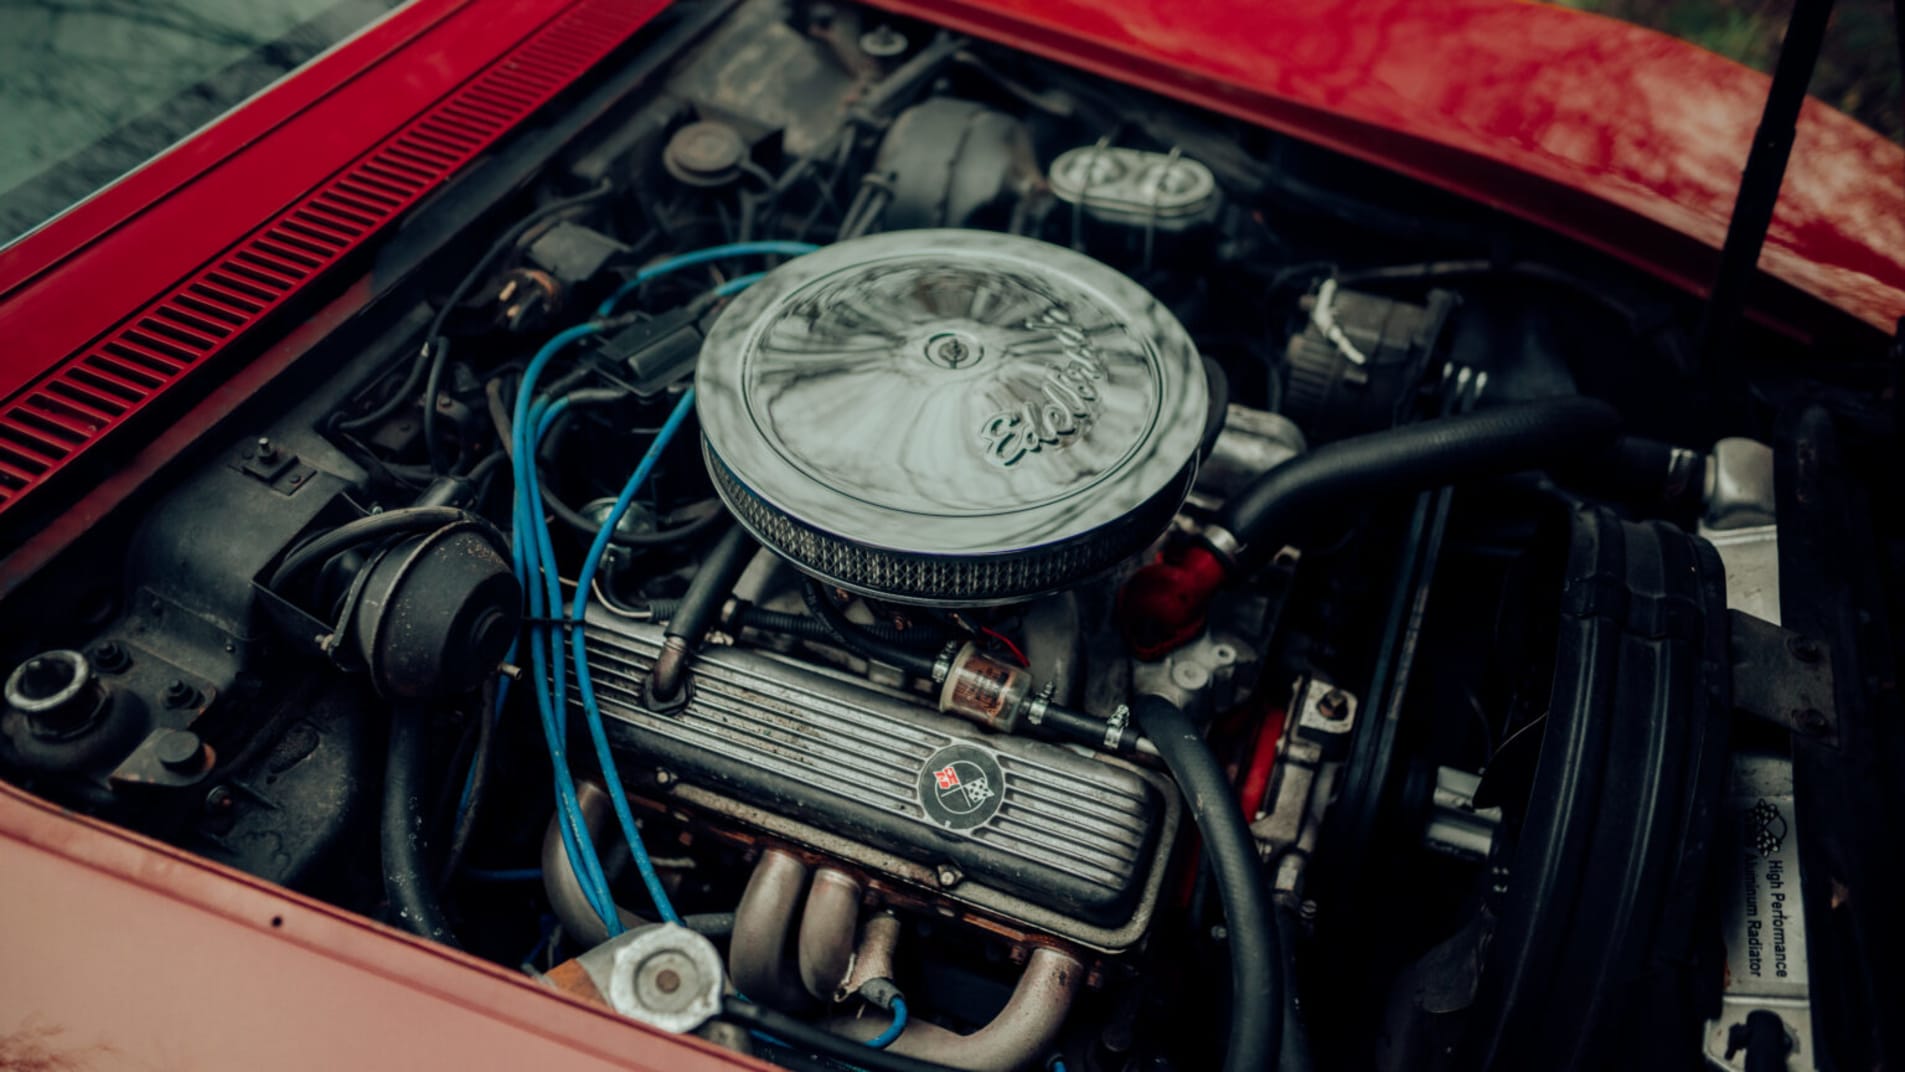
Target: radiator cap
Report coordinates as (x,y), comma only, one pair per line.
(950,417)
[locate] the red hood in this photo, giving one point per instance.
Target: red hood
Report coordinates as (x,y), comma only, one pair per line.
(1635,140)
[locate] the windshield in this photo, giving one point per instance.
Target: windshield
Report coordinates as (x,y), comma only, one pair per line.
(91,89)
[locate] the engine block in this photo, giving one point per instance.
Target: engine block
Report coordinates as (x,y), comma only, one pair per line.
(1044,836)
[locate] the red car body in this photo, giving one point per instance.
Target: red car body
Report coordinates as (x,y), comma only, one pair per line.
(123,951)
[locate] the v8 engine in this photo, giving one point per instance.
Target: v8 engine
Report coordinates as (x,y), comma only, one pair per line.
(885,551)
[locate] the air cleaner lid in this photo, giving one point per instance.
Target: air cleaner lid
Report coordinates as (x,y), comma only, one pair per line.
(950,416)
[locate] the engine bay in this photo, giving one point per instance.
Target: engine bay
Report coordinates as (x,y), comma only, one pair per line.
(891,552)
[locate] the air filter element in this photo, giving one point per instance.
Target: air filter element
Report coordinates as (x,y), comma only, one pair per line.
(950,417)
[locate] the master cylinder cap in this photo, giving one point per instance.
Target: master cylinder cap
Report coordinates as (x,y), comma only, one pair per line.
(950,417)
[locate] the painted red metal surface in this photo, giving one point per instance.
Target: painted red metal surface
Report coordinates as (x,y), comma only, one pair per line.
(1625,139)
(124,953)
(191,274)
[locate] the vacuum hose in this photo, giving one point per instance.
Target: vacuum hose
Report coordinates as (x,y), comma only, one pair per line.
(700,606)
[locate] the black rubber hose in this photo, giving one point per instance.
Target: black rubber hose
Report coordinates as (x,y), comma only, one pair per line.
(1646,472)
(351,533)
(573,518)
(439,348)
(1256,969)
(420,366)
(700,607)
(489,464)
(407,881)
(857,640)
(435,350)
(1064,724)
(711,586)
(801,1034)
(1295,1054)
(1766,1044)
(800,625)
(480,764)
(569,515)
(805,627)
(1644,323)
(404,395)
(1447,450)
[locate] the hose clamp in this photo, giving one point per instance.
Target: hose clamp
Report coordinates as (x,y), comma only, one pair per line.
(942,666)
(1222,543)
(1040,703)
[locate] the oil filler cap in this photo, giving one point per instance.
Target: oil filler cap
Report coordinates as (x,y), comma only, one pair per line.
(950,417)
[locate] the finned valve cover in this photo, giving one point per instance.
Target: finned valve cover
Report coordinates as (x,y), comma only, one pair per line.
(950,417)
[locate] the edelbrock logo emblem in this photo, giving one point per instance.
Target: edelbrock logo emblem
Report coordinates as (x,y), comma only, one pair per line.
(1067,401)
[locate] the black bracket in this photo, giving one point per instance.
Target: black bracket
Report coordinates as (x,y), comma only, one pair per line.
(283,471)
(1782,677)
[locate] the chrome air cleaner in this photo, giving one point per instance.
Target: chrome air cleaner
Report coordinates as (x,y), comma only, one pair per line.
(950,417)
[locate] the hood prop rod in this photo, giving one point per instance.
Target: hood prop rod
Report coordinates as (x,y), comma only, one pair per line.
(1759,184)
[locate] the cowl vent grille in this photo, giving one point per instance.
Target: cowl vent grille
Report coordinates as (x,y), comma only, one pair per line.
(84,398)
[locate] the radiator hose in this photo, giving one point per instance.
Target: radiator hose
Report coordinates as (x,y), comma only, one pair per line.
(1256,968)
(1163,605)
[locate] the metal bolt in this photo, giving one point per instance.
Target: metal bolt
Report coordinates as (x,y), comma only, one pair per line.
(664,776)
(267,450)
(1306,910)
(297,478)
(179,750)
(883,42)
(1803,649)
(1218,932)
(111,657)
(1333,705)
(219,799)
(668,980)
(179,694)
(949,875)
